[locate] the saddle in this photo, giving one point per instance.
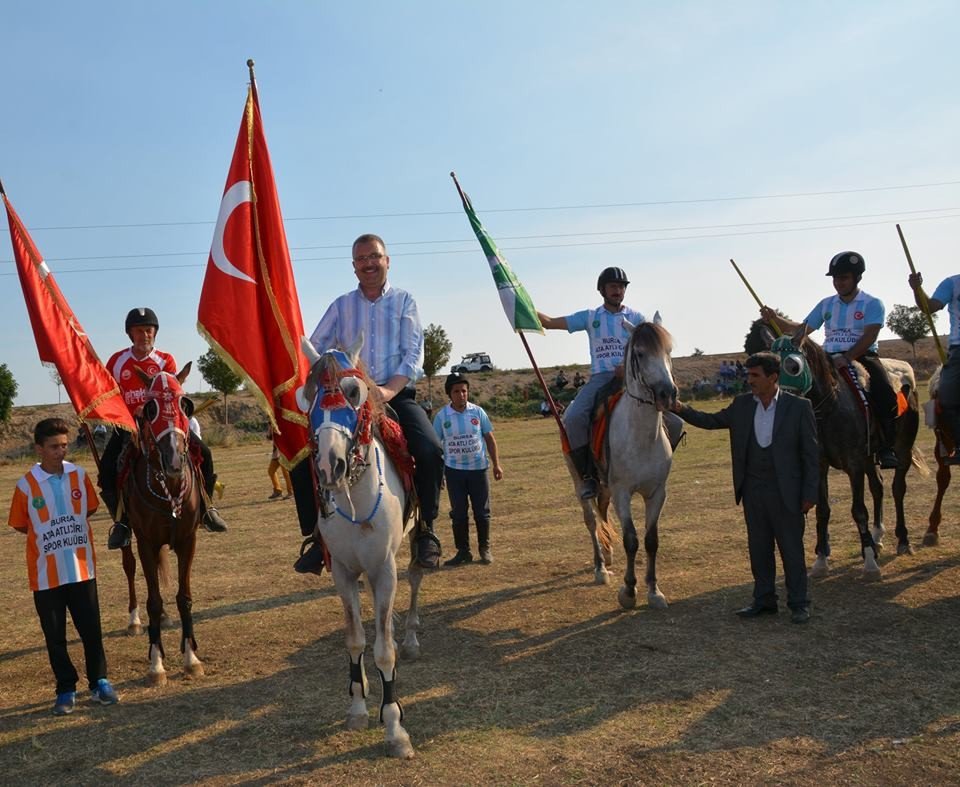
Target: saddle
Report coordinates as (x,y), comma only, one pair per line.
(607,398)
(859,385)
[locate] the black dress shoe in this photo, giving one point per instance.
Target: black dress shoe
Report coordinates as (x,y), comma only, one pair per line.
(119,536)
(213,522)
(953,459)
(311,558)
(887,459)
(427,547)
(462,556)
(800,615)
(755,611)
(588,488)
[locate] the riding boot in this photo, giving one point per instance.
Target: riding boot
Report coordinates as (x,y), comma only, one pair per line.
(886,457)
(483,541)
(583,463)
(461,540)
(311,560)
(950,419)
(119,536)
(212,520)
(426,546)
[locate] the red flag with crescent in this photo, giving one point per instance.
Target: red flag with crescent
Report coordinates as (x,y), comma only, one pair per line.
(249,310)
(61,340)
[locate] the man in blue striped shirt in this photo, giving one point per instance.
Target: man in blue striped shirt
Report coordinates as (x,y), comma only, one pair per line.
(392,352)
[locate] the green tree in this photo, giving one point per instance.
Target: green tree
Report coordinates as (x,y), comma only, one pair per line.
(219,376)
(8,392)
(910,324)
(436,353)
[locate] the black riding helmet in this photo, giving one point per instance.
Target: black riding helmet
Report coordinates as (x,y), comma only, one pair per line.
(612,276)
(141,316)
(847,262)
(452,379)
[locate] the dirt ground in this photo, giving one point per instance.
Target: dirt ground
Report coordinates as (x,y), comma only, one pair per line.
(530,673)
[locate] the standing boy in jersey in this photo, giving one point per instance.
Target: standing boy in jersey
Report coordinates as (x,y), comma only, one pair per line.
(51,504)
(466,434)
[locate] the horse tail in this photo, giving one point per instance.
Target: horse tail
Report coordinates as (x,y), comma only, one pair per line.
(163,567)
(917,460)
(605,533)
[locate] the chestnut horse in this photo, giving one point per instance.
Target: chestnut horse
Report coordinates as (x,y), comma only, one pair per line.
(162,497)
(943,447)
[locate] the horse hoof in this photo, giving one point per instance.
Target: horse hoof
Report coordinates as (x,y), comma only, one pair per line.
(904,549)
(157,679)
(820,569)
(194,671)
(134,630)
(627,599)
(657,600)
(872,575)
(931,539)
(409,652)
(601,577)
(359,721)
(401,749)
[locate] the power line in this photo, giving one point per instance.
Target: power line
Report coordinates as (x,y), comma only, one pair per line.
(473,249)
(597,206)
(683,228)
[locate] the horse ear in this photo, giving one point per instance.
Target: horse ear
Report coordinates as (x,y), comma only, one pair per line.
(308,391)
(309,351)
(182,374)
(657,319)
(353,352)
(355,391)
(144,377)
(151,409)
(629,325)
(799,335)
(186,405)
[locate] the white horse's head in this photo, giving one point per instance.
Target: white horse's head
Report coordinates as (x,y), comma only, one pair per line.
(335,400)
(648,369)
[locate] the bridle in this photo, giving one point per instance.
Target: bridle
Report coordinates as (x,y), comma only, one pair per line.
(637,374)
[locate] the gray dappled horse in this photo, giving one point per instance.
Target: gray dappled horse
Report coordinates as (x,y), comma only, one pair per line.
(640,457)
(364,519)
(848,443)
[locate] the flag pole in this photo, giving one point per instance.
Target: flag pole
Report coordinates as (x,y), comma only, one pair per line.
(924,301)
(253,80)
(773,324)
(536,369)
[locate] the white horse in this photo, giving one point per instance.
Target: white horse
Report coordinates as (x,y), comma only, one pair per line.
(363,520)
(639,462)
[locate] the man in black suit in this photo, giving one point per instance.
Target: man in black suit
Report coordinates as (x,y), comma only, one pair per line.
(773,442)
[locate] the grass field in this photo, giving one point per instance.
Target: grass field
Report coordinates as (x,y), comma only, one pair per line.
(530,673)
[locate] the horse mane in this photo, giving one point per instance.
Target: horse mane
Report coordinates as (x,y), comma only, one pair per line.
(654,336)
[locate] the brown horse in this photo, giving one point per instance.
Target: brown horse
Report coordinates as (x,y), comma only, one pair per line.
(162,496)
(943,447)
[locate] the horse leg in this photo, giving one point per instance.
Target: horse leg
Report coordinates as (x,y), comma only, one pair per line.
(821,566)
(134,626)
(149,561)
(653,505)
(192,666)
(899,492)
(871,570)
(932,536)
(410,648)
(876,492)
(358,718)
(384,586)
(601,576)
(605,531)
(627,595)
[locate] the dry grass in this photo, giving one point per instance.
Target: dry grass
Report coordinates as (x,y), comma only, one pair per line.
(530,674)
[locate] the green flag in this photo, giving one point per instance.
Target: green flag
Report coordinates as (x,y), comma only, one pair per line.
(515,299)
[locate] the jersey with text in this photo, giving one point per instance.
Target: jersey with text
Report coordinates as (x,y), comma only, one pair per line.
(948,293)
(844,323)
(607,333)
(461,435)
(53,510)
(123,366)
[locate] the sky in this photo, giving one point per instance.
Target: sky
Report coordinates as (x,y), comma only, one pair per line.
(662,138)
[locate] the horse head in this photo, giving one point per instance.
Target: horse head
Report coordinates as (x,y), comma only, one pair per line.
(336,398)
(165,420)
(804,365)
(648,369)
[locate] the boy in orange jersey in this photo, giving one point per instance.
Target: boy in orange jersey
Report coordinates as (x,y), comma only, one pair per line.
(51,505)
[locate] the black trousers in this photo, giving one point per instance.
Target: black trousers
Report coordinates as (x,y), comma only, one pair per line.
(80,598)
(770,525)
(469,487)
(883,398)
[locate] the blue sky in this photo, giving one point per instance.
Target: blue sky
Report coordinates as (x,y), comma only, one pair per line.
(123,113)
